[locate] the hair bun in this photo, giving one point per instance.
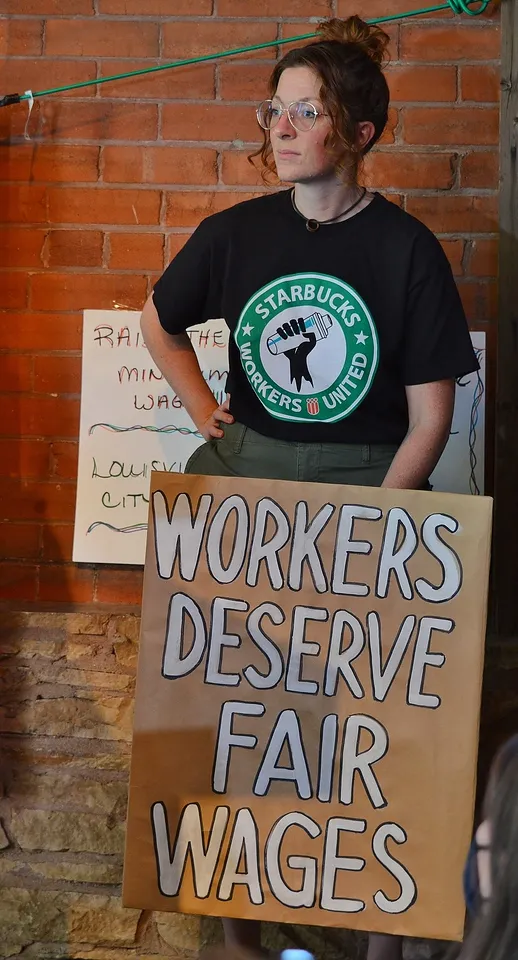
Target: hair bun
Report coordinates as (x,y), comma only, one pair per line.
(369,37)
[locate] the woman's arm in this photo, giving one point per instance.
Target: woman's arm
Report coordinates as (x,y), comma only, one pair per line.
(430,412)
(176,359)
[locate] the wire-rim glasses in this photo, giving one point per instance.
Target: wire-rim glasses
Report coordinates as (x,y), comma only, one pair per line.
(301,113)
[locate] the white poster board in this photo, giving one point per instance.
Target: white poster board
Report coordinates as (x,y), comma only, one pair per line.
(461,467)
(132,423)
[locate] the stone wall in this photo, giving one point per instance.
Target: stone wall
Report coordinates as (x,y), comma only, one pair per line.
(66,699)
(65,721)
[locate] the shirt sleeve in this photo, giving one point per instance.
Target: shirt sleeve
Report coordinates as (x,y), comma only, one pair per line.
(437,340)
(184,295)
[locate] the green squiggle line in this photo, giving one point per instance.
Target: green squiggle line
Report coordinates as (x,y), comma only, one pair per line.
(170,428)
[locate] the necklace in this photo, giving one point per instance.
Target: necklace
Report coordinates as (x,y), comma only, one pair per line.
(312,225)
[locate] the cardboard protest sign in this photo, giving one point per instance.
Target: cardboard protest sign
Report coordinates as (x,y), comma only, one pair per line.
(307,703)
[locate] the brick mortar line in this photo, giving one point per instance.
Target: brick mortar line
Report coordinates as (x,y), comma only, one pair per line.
(155,229)
(451,22)
(161,39)
(75,354)
(120,227)
(400,105)
(144,272)
(218,100)
(43,36)
(50,438)
(219,168)
(417,149)
(151,187)
(216,188)
(105,252)
(221,146)
(92,57)
(240,60)
(186,231)
(91,272)
(100,162)
(217,18)
(397,148)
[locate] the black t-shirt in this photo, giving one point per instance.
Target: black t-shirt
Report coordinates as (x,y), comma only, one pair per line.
(327,328)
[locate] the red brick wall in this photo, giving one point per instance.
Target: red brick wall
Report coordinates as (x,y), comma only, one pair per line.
(112,179)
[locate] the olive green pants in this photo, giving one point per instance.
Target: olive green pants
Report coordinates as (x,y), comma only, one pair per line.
(244,453)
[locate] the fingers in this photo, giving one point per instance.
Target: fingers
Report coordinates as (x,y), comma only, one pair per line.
(292,327)
(214,432)
(212,428)
(221,414)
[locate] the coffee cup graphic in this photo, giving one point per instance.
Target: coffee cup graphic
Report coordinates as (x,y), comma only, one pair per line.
(318,324)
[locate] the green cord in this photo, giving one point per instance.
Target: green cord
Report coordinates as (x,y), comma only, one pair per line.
(457,6)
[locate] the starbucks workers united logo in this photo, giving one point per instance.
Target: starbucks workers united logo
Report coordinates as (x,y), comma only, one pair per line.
(309,347)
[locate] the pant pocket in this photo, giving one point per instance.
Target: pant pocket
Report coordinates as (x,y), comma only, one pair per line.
(382,453)
(242,452)
(363,465)
(233,437)
(218,458)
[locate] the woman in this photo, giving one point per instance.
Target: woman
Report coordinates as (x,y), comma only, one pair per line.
(492,871)
(347,328)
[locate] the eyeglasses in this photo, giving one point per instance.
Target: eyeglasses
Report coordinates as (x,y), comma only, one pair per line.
(301,114)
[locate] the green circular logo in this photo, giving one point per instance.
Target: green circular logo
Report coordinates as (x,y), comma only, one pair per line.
(309,347)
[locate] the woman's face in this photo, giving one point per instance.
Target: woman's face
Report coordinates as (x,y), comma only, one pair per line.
(300,156)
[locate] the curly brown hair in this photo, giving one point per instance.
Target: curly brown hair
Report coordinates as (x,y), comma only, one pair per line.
(348,58)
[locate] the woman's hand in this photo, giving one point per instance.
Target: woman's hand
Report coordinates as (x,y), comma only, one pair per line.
(211,427)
